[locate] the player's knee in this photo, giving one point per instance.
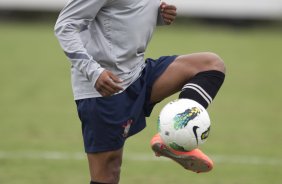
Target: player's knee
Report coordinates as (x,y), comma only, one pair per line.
(214,62)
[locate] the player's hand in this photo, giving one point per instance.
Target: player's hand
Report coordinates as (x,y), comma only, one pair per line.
(168,13)
(107,84)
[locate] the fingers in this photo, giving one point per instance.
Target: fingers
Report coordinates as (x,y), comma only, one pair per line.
(115,78)
(168,12)
(170,8)
(107,85)
(108,88)
(168,19)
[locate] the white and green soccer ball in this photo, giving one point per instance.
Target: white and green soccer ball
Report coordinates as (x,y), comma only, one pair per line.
(184,124)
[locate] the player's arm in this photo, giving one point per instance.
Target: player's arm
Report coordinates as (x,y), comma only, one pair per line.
(167,13)
(73,19)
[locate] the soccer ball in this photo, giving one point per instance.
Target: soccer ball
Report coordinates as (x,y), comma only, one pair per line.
(184,124)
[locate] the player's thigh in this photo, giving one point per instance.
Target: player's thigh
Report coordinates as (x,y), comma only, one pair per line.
(105,166)
(181,70)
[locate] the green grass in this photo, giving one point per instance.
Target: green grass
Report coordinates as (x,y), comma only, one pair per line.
(37,113)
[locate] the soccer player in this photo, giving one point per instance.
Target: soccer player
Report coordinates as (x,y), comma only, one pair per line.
(115,88)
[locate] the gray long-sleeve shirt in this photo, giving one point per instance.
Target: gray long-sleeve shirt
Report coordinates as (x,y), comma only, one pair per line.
(105,34)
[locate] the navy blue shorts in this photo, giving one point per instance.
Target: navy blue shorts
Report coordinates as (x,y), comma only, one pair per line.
(108,121)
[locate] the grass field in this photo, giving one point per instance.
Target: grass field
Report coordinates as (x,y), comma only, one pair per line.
(40,137)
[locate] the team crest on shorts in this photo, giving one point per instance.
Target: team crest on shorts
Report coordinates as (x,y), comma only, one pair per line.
(126,127)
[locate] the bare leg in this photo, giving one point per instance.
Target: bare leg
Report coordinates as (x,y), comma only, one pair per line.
(105,166)
(181,70)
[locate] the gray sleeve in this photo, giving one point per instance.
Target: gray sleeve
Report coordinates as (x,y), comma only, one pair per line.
(75,16)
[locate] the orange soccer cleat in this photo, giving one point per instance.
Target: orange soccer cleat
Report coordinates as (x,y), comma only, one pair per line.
(194,160)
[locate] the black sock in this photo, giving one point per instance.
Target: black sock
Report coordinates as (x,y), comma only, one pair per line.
(203,87)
